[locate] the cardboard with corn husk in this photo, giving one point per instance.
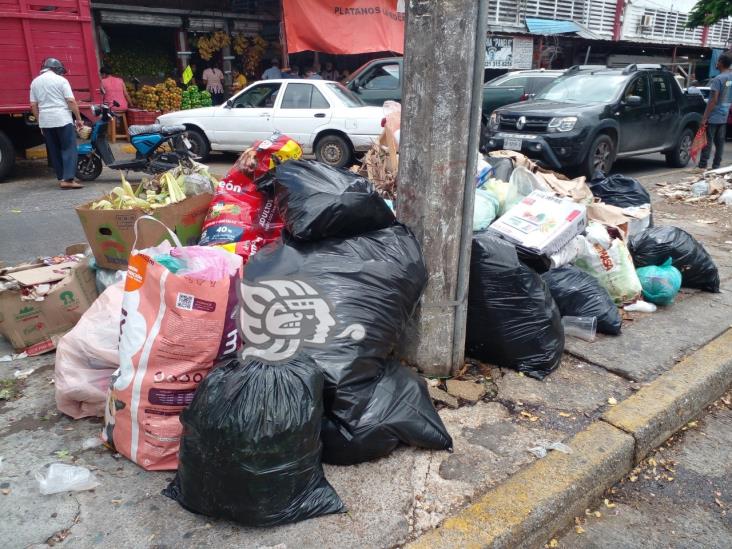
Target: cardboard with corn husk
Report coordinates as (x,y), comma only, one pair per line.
(111,234)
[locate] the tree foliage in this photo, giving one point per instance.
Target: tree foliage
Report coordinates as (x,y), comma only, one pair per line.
(708,12)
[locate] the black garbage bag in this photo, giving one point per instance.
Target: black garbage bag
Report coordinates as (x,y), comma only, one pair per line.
(654,246)
(619,190)
(577,293)
(356,294)
(250,450)
(513,321)
(318,201)
(400,410)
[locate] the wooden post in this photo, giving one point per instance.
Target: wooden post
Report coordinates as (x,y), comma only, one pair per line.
(441,102)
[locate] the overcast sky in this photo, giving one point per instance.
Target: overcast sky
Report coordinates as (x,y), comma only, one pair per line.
(675,5)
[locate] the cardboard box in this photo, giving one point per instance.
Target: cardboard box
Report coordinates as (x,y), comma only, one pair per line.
(542,222)
(36,326)
(111,233)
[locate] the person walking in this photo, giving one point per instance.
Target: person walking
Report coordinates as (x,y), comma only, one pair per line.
(53,104)
(114,89)
(273,72)
(213,79)
(715,115)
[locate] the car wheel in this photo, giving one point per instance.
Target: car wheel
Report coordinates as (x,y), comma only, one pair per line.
(7,156)
(601,156)
(88,167)
(333,150)
(199,144)
(681,154)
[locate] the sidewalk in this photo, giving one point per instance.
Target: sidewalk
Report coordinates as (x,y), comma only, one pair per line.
(391,501)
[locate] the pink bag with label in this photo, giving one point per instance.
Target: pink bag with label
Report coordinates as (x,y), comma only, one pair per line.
(174,328)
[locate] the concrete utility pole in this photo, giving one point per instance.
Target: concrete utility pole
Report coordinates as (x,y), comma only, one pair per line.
(444,57)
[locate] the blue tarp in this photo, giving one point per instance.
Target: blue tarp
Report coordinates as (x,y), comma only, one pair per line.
(550,26)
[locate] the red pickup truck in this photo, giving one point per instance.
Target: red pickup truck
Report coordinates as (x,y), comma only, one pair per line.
(29,33)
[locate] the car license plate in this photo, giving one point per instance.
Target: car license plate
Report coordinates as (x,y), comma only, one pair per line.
(512,144)
(186,142)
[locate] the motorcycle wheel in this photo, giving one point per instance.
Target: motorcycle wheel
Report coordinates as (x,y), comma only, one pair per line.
(88,167)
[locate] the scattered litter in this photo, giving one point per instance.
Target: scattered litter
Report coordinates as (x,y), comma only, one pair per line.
(641,306)
(10,358)
(608,504)
(91,442)
(612,401)
(542,450)
(725,198)
(66,478)
(22,374)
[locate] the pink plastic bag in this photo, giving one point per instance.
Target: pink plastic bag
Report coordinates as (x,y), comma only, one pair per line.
(174,328)
(88,355)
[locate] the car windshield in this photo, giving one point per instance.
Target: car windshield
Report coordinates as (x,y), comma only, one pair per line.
(347,97)
(584,88)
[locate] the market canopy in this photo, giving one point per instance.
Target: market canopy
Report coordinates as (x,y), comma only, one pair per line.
(344,26)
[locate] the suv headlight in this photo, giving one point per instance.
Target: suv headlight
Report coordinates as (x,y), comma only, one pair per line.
(562,124)
(494,121)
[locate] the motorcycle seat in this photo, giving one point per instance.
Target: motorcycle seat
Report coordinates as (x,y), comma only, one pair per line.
(154,128)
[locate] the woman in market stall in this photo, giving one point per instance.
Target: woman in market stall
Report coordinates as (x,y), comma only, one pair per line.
(213,79)
(114,89)
(239,81)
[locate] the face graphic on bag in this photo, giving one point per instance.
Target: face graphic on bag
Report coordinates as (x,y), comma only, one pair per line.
(278,317)
(133,331)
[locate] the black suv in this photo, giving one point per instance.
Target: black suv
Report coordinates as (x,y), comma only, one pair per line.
(590,116)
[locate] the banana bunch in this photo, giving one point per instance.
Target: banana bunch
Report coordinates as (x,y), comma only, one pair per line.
(209,45)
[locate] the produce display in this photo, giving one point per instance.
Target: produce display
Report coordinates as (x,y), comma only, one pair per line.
(165,188)
(161,97)
(208,45)
(192,98)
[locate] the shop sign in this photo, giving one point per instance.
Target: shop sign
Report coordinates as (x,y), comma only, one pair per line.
(509,52)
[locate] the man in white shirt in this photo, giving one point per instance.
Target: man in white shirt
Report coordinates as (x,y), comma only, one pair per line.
(53,103)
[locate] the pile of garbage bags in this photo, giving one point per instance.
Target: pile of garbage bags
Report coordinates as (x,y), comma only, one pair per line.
(564,248)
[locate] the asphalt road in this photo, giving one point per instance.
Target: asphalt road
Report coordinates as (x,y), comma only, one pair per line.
(38,219)
(680,498)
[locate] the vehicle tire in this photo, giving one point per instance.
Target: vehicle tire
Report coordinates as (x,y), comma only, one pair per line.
(7,156)
(333,150)
(680,155)
(600,156)
(199,144)
(89,167)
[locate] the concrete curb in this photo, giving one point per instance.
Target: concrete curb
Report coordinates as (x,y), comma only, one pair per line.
(531,506)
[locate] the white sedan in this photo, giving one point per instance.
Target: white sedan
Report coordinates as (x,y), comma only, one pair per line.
(326,118)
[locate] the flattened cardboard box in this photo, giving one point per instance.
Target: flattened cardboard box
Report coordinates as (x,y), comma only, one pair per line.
(36,326)
(111,233)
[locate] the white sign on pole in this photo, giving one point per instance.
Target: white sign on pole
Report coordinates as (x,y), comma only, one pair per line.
(509,52)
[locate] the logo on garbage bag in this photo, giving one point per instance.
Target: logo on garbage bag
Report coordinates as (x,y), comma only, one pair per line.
(279,317)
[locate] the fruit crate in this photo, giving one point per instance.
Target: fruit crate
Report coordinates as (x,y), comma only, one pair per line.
(140,117)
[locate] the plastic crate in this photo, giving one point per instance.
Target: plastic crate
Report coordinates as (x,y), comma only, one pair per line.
(140,117)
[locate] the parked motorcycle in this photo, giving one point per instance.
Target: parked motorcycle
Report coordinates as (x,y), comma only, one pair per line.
(158,148)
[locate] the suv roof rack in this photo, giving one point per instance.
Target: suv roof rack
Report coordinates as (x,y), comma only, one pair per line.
(634,67)
(575,68)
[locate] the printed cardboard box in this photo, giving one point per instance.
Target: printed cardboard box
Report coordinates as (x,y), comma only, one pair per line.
(111,233)
(36,326)
(542,222)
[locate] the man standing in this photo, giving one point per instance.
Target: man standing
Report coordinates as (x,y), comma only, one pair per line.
(273,72)
(53,103)
(715,115)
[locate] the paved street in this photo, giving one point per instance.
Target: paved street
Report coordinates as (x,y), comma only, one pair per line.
(392,500)
(678,498)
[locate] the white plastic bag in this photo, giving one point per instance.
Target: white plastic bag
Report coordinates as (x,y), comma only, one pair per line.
(66,478)
(88,355)
(486,209)
(609,261)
